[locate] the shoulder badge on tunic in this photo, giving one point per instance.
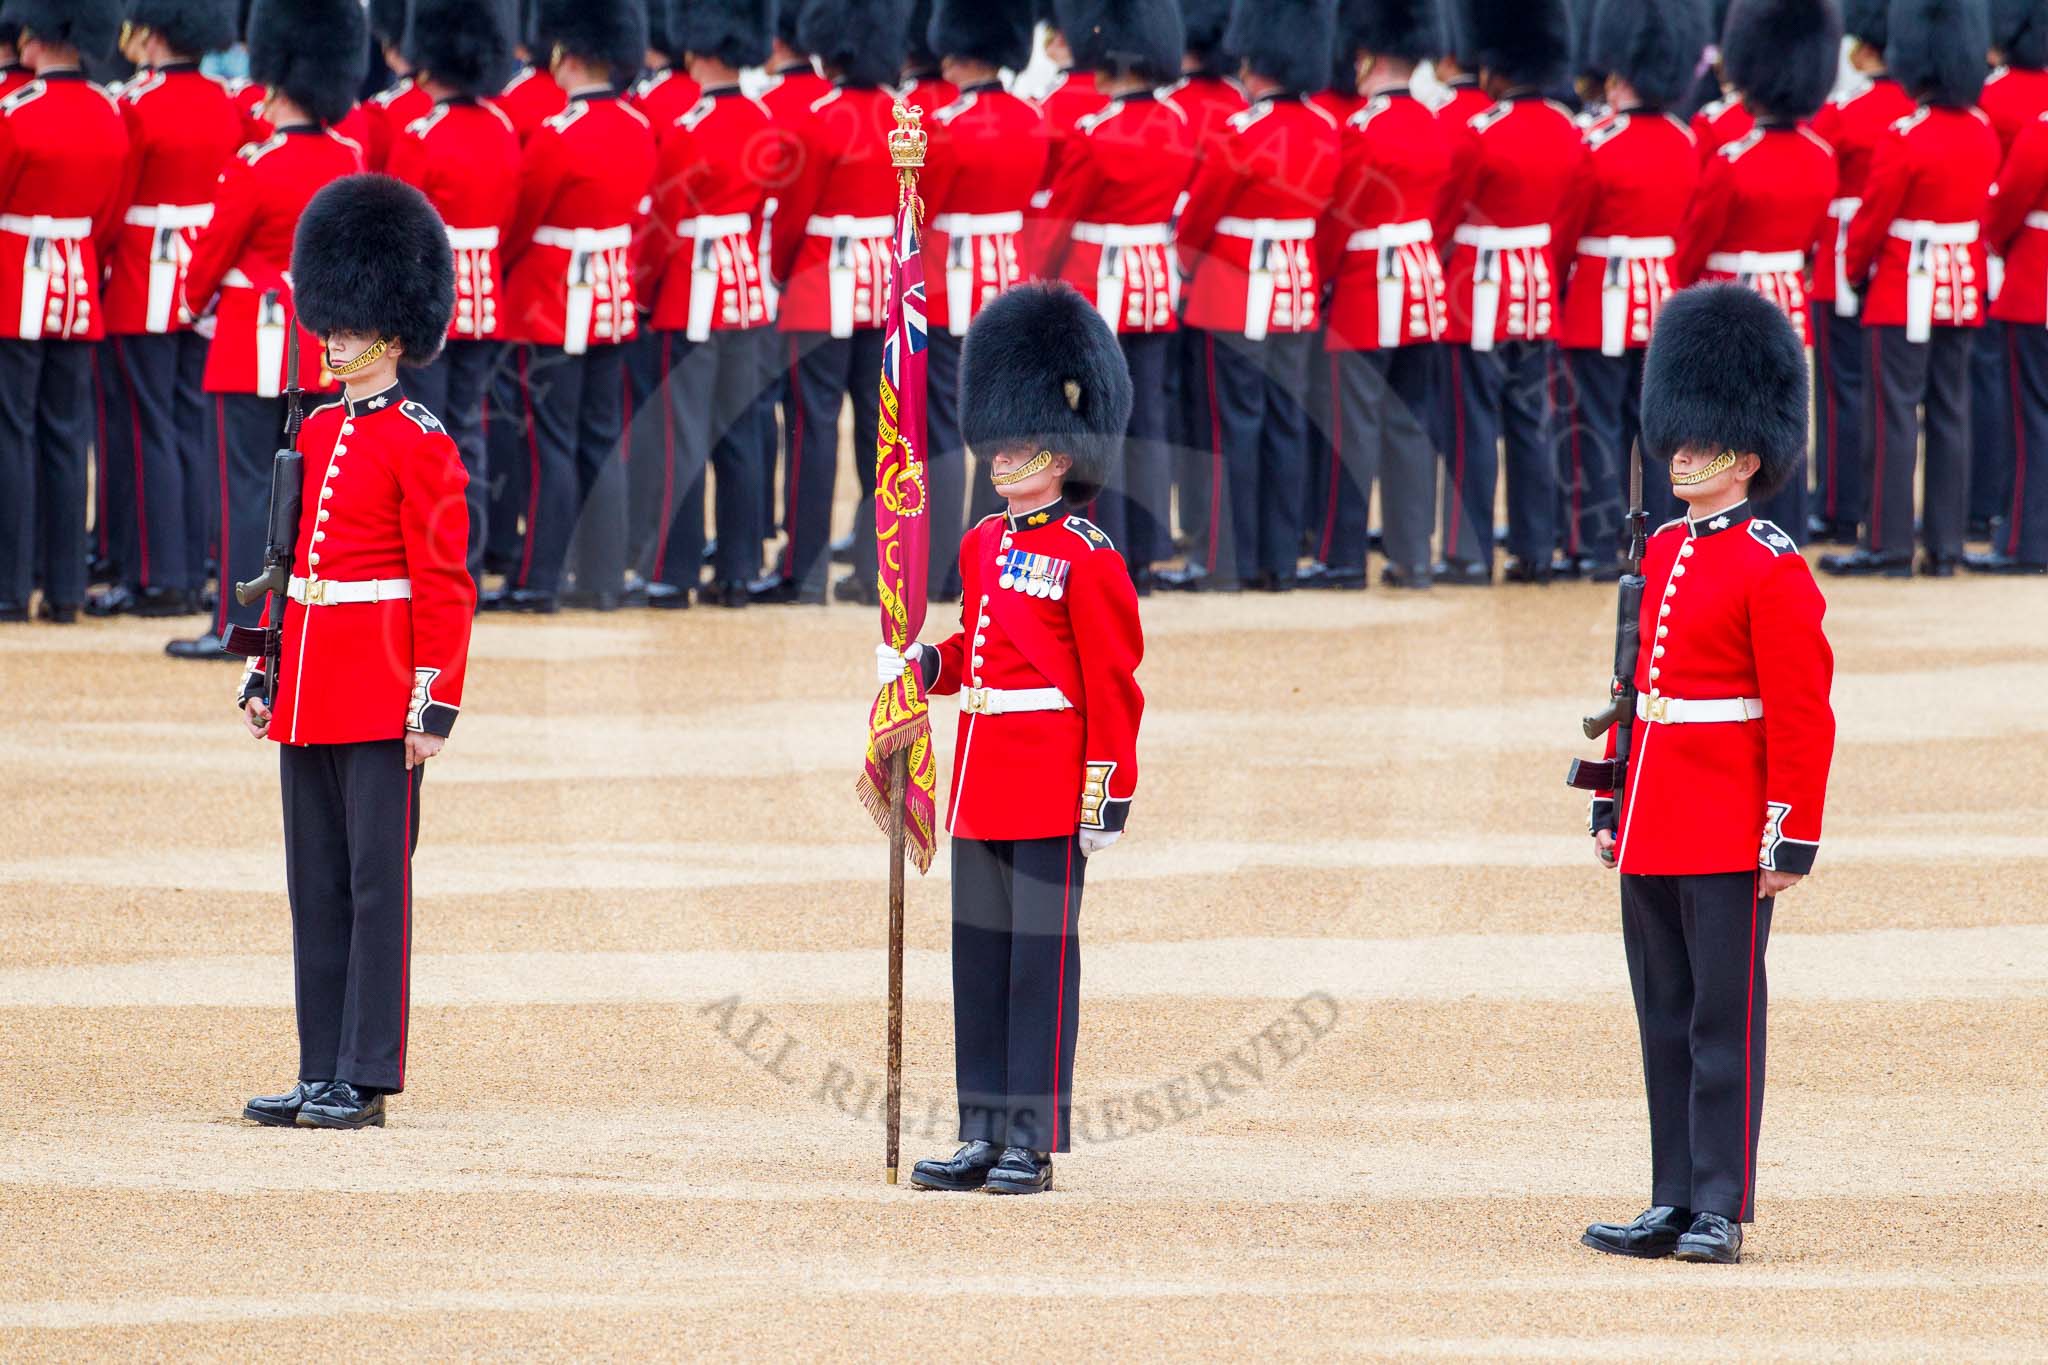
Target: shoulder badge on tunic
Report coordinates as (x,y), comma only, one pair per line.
(1768,535)
(425,420)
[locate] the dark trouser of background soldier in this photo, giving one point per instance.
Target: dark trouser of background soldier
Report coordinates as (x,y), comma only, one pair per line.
(769,417)
(1016,988)
(1840,492)
(45,437)
(1199,466)
(456,388)
(161,476)
(1257,405)
(576,418)
(2021,545)
(1695,950)
(1322,453)
(1599,400)
(510,460)
(351,896)
(244,433)
(947,467)
(1990,430)
(1383,433)
(1133,509)
(825,371)
(1495,395)
(113,473)
(707,417)
(651,490)
(1904,377)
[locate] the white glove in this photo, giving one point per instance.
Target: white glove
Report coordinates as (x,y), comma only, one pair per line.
(890,665)
(1095,840)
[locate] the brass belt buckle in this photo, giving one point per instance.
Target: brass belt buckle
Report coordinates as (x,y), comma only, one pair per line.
(1660,710)
(316,592)
(975,702)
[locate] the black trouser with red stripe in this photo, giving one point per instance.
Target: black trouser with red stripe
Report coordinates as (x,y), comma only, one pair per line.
(456,389)
(824,372)
(244,432)
(113,449)
(1016,988)
(1382,430)
(1497,395)
(511,463)
(705,418)
(1841,493)
(574,418)
(159,479)
(947,456)
(1599,417)
(1990,424)
(1258,424)
(1197,468)
(2025,536)
(1904,378)
(1695,948)
(1134,506)
(45,430)
(351,823)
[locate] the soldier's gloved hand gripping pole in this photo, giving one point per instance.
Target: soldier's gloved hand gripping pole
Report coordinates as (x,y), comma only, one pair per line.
(1611,774)
(287,492)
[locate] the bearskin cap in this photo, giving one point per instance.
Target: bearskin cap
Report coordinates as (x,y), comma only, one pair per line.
(91,26)
(1288,41)
(2019,30)
(863,40)
(1782,54)
(313,51)
(371,255)
(736,32)
(189,28)
(1936,50)
(1654,45)
(1526,42)
(1405,30)
(610,32)
(1726,370)
(460,43)
(1144,37)
(993,31)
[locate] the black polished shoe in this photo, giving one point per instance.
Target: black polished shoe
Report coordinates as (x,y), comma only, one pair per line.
(1711,1239)
(13,613)
(200,647)
(531,601)
(591,599)
(1192,578)
(117,600)
(342,1105)
(2001,564)
(1864,564)
(1325,577)
(730,594)
(57,615)
(1937,566)
(667,597)
(1269,582)
(1021,1171)
(1570,566)
(1416,579)
(1521,571)
(842,550)
(1822,531)
(1653,1234)
(966,1169)
(1460,573)
(775,590)
(281,1111)
(852,588)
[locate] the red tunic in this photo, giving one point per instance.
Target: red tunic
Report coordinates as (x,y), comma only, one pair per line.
(788,96)
(584,179)
(2017,228)
(1619,229)
(1763,199)
(664,96)
(63,151)
(928,94)
(1247,236)
(1511,181)
(386,115)
(2013,98)
(1071,98)
(1720,123)
(1048,603)
(242,255)
(248,99)
(1108,225)
(464,156)
(384,502)
(182,129)
(1209,102)
(1731,614)
(984,161)
(13,76)
(835,226)
(1930,181)
(702,272)
(530,99)
(1378,241)
(1852,123)
(1464,103)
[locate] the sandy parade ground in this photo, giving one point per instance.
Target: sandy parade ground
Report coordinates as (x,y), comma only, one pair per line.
(1357,1060)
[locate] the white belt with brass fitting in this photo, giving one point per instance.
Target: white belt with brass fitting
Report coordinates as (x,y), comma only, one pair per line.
(47,229)
(1481,237)
(1628,248)
(168,215)
(584,240)
(849,226)
(1934,234)
(1677,711)
(1124,234)
(2038,220)
(326,592)
(1268,229)
(1391,235)
(473,239)
(979,224)
(708,225)
(1757,262)
(995,701)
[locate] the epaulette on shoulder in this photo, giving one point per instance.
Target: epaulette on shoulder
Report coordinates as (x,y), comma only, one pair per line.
(1769,535)
(1097,538)
(421,417)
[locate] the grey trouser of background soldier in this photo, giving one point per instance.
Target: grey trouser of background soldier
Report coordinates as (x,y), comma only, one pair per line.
(1257,422)
(158,479)
(1381,430)
(1499,395)
(45,430)
(575,414)
(456,389)
(824,372)
(704,416)
(1903,378)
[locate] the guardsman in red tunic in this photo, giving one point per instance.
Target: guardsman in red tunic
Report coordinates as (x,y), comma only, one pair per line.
(1617,239)
(375,644)
(463,154)
(708,289)
(532,96)
(1511,178)
(569,306)
(925,86)
(1853,123)
(388,113)
(1045,666)
(1247,243)
(833,236)
(985,159)
(182,129)
(1728,767)
(1763,199)
(1108,231)
(63,150)
(1377,244)
(1070,97)
(309,55)
(2017,228)
(1916,241)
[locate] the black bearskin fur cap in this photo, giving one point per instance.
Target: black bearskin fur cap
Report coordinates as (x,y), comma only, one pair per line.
(1289,41)
(1205,21)
(1867,21)
(387,21)
(1654,45)
(2019,30)
(1526,42)
(736,32)
(314,51)
(1405,30)
(1936,50)
(611,32)
(1141,36)
(1726,370)
(1781,54)
(371,255)
(91,26)
(1041,368)
(862,40)
(994,31)
(461,44)
(190,28)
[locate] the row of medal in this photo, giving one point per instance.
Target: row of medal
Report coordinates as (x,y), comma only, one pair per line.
(1034,575)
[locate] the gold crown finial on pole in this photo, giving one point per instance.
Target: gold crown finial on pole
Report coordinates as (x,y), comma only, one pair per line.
(906,152)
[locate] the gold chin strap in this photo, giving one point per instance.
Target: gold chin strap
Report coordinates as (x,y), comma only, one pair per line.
(372,353)
(1719,465)
(1038,464)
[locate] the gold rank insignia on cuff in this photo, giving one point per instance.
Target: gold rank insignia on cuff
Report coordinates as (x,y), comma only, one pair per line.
(1034,575)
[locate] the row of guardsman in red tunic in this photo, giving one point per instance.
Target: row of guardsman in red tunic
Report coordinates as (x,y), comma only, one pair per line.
(1325,294)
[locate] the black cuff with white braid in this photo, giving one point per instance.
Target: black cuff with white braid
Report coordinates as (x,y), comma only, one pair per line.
(1602,814)
(423,714)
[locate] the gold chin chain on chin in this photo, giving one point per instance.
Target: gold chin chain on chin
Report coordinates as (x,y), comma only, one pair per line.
(1038,464)
(372,353)
(1720,464)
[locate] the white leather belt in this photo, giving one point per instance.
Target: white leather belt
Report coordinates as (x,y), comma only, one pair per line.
(709,225)
(1628,248)
(1485,238)
(1844,208)
(846,225)
(1124,234)
(994,701)
(168,215)
(585,239)
(1676,711)
(47,229)
(1757,262)
(1934,234)
(2037,219)
(235,279)
(473,239)
(1392,235)
(326,592)
(1268,229)
(979,224)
